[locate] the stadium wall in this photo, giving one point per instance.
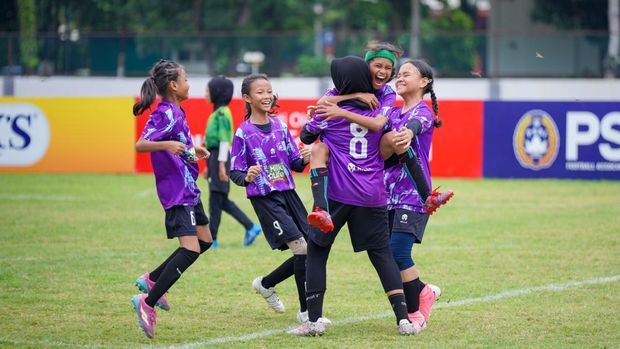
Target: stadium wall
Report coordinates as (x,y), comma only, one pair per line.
(513,138)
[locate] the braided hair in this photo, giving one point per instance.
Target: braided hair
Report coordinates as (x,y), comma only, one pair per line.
(427,72)
(160,75)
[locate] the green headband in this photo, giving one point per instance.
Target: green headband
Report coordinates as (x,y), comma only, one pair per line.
(383,53)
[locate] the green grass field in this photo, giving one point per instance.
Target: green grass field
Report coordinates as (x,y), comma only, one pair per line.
(522,264)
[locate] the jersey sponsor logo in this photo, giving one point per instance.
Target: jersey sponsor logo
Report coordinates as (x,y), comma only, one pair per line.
(276,172)
(536,140)
(24,134)
(354,168)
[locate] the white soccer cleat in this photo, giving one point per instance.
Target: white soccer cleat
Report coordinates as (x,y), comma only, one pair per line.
(407,328)
(302,317)
(309,329)
(270,295)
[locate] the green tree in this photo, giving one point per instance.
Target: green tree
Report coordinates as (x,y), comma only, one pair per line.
(27,34)
(448,43)
(571,14)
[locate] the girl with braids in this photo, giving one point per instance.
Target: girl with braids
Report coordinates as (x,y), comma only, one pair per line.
(262,158)
(381,59)
(174,158)
(407,215)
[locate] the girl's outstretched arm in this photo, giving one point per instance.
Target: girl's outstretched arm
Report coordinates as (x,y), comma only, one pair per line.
(145,146)
(331,110)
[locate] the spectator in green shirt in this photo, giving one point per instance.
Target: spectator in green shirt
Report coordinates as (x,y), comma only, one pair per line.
(218,138)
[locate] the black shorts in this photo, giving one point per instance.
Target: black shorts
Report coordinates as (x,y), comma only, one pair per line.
(282,216)
(368,226)
(182,220)
(406,221)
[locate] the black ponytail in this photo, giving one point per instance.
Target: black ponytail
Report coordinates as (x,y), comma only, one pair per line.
(161,74)
(246,84)
(437,122)
(427,72)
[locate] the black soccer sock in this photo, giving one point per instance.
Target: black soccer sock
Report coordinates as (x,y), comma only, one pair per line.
(419,284)
(412,295)
(204,246)
(399,305)
(319,180)
(412,165)
(172,272)
(315,305)
(279,274)
(300,280)
(154,275)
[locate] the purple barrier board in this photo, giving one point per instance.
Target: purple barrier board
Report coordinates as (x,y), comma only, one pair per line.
(552,140)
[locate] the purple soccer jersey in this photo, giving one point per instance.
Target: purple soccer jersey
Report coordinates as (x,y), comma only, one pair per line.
(274,150)
(355,166)
(355,163)
(401,192)
(175,176)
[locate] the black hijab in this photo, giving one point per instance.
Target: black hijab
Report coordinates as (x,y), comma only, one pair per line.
(220,91)
(350,74)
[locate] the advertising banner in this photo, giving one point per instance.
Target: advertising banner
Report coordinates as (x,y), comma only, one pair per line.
(456,150)
(292,111)
(552,140)
(66,135)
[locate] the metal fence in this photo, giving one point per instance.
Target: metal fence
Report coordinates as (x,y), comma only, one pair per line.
(573,54)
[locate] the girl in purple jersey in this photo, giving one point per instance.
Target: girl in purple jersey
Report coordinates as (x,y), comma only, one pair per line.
(174,158)
(408,216)
(381,59)
(262,158)
(356,197)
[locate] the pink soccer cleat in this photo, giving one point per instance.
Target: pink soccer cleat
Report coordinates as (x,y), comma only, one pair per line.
(437,199)
(428,296)
(417,319)
(146,314)
(145,284)
(321,219)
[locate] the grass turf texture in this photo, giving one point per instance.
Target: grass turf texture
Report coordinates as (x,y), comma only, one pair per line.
(72,246)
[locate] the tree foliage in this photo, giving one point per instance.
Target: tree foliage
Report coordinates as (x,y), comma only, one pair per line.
(572,14)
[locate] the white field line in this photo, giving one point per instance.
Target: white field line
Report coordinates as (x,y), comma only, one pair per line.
(145,193)
(483,299)
(336,323)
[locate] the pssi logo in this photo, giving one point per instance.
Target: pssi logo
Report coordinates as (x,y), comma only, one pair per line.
(536,140)
(24,134)
(583,128)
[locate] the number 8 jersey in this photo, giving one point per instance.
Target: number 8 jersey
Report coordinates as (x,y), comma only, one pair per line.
(355,164)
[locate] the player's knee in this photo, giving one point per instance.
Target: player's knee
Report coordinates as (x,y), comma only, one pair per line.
(299,247)
(402,256)
(320,152)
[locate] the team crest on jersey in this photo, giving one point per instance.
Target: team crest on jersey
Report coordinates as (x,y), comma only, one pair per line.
(404,218)
(536,140)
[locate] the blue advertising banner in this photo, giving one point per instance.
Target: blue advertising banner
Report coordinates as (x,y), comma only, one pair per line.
(552,140)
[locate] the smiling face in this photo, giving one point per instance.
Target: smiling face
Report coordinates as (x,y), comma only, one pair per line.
(410,81)
(260,96)
(381,71)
